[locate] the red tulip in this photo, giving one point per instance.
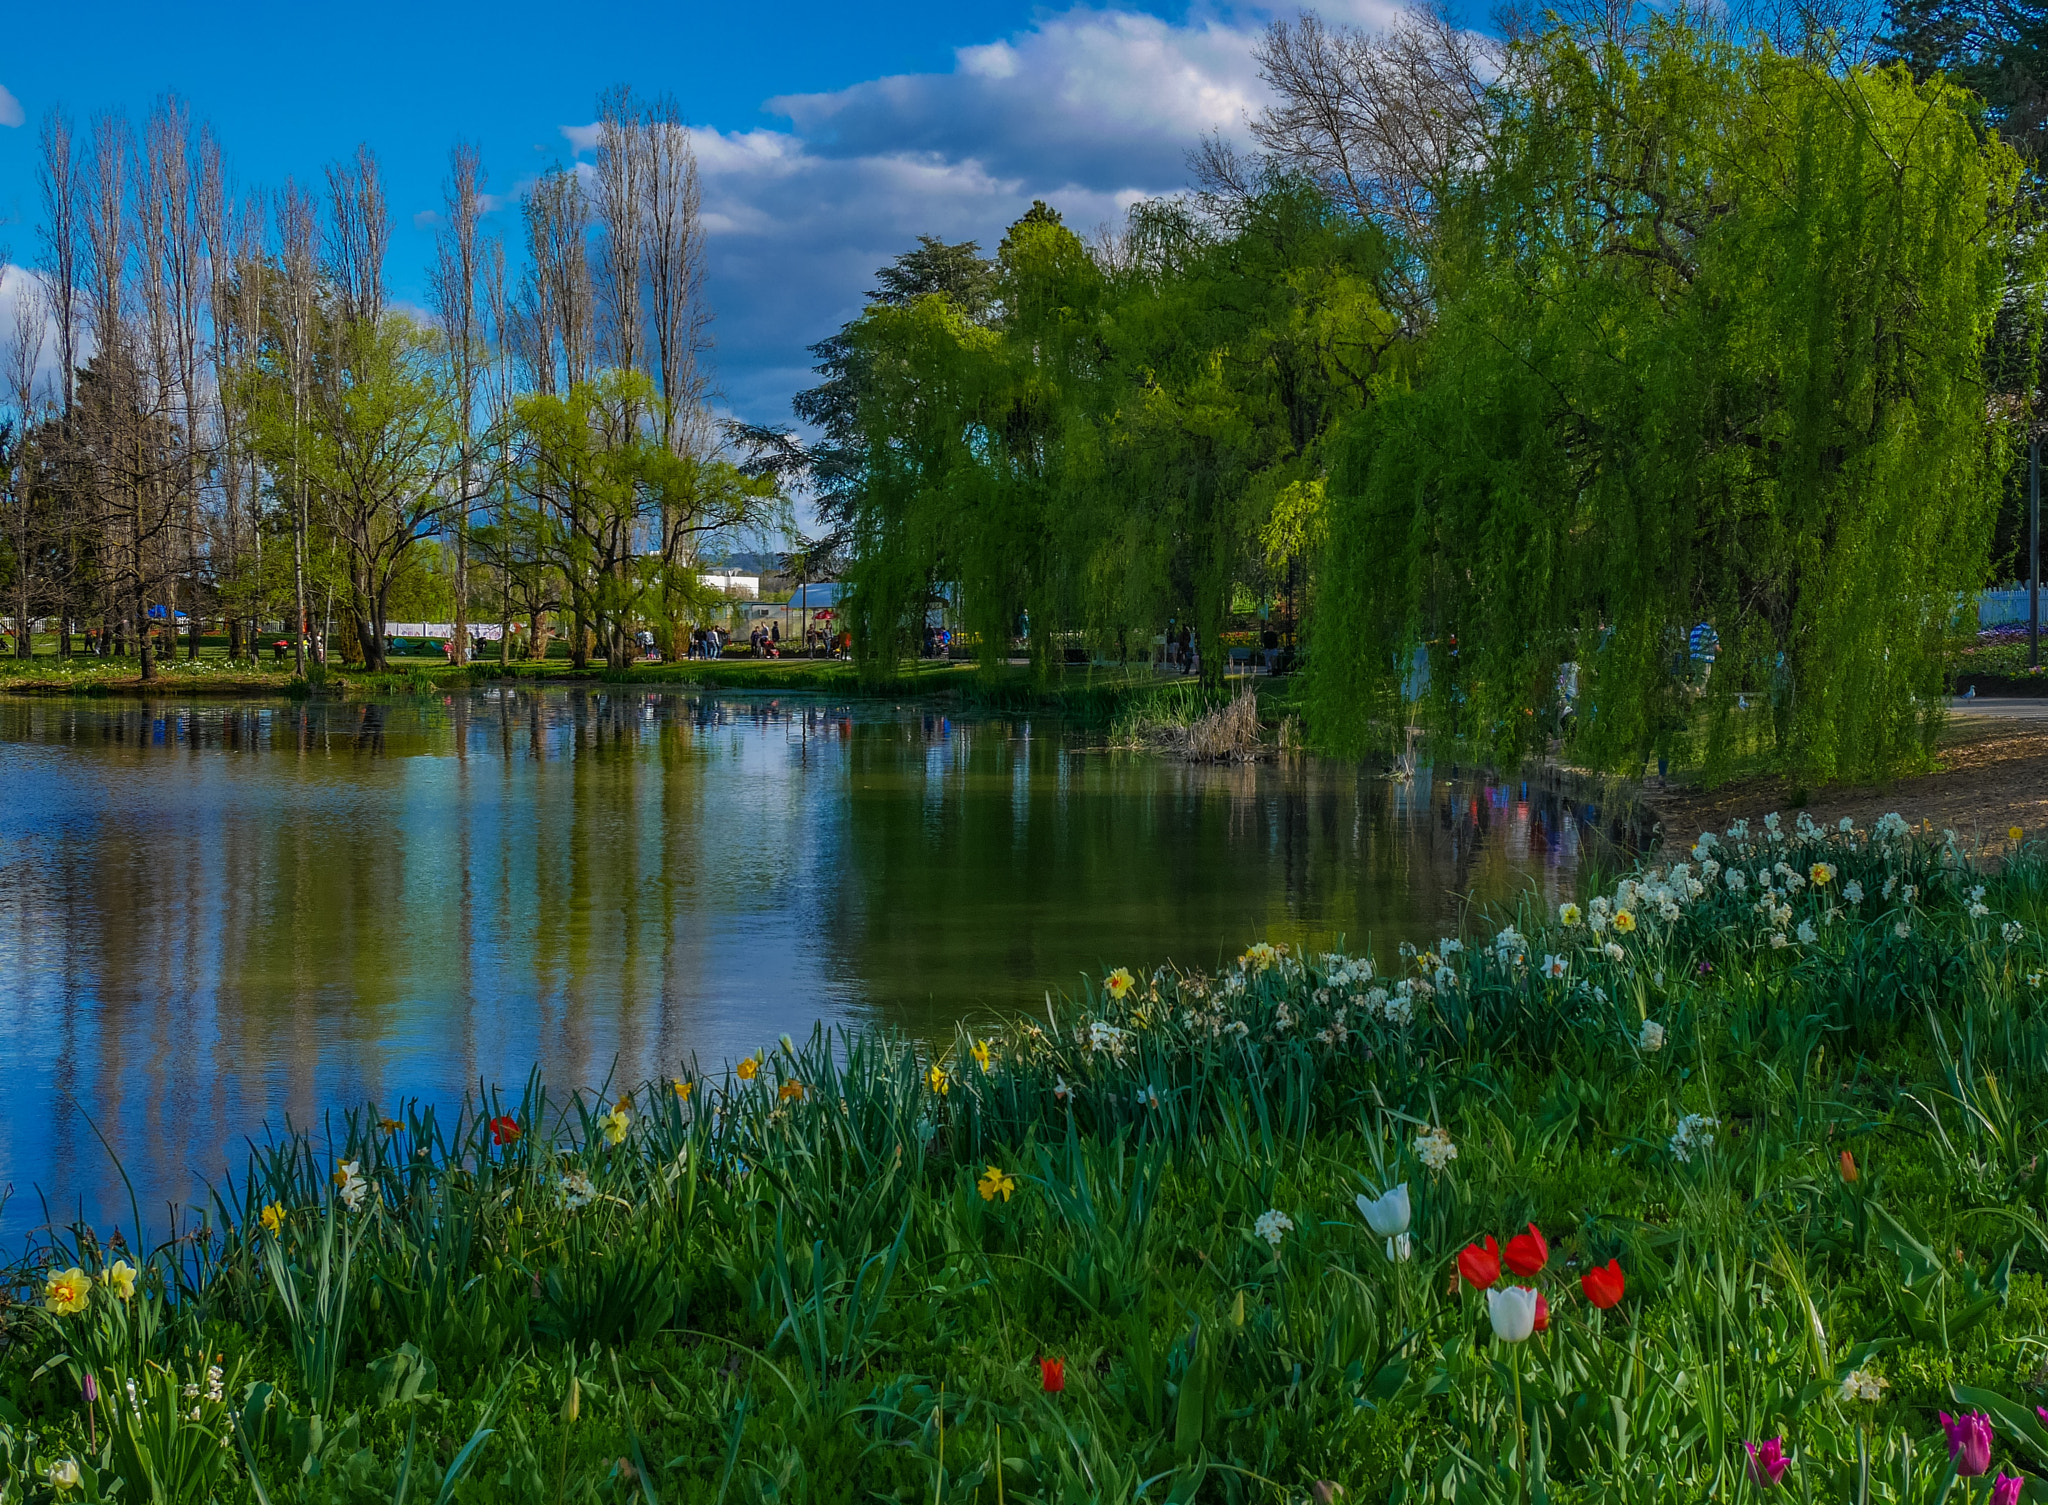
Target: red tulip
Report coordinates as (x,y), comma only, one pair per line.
(504,1129)
(1542,1313)
(1527,1252)
(1052,1375)
(1603,1284)
(1849,1173)
(1480,1265)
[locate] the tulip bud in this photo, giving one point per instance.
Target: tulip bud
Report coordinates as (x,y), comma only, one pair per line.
(1528,1252)
(572,1403)
(1767,1464)
(1969,1442)
(1479,1263)
(1388,1215)
(1849,1171)
(1603,1284)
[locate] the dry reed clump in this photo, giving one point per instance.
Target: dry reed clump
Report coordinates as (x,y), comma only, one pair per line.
(1230,731)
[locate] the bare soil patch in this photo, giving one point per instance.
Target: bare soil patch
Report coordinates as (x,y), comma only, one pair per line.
(1993,776)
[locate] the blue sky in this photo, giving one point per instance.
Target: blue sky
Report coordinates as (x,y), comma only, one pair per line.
(829,135)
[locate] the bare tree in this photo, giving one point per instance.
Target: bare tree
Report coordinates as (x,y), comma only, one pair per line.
(296,226)
(19,465)
(1382,119)
(235,282)
(621,195)
(169,190)
(556,303)
(62,237)
(63,252)
(457,267)
(359,231)
(498,399)
(106,231)
(678,314)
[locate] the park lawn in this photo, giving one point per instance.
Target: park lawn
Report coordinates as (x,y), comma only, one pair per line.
(1774,1109)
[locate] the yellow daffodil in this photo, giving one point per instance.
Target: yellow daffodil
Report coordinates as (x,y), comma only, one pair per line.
(1568,915)
(995,1182)
(1119,983)
(389,1125)
(791,1092)
(750,1068)
(980,1054)
(937,1080)
(273,1218)
(683,1089)
(614,1125)
(66,1291)
(1820,875)
(119,1277)
(1624,921)
(2014,835)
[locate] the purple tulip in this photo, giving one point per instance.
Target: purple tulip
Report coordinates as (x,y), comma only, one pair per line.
(91,1389)
(2006,1489)
(1969,1441)
(1767,1464)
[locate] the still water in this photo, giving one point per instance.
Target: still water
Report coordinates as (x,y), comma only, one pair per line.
(215,914)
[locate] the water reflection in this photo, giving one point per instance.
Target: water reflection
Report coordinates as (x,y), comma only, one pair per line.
(214,914)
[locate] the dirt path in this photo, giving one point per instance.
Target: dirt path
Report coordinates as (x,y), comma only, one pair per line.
(1994,776)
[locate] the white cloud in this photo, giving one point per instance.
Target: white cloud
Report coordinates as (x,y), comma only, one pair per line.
(1090,110)
(10,109)
(1094,97)
(49,365)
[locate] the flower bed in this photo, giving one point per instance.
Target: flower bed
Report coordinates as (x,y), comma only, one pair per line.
(1721,1183)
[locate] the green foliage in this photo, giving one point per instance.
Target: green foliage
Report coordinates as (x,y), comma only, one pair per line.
(1105,447)
(1710,326)
(828,1274)
(594,487)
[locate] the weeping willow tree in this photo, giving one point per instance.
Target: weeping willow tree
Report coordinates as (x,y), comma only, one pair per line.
(1101,449)
(1706,354)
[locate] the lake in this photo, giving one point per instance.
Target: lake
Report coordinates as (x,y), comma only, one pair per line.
(217,913)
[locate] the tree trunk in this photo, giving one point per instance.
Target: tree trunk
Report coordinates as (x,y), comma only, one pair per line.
(370,642)
(145,646)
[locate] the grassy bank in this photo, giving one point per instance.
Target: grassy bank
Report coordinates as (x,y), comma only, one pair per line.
(1105,695)
(1775,1111)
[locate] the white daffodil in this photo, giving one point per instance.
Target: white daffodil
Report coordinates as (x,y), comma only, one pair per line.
(1272,1226)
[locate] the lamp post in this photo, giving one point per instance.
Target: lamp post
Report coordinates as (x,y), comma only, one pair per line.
(2034,553)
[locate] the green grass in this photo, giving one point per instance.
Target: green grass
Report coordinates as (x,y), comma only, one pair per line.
(831,1274)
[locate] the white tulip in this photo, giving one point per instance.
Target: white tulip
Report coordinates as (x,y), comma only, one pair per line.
(1513,1313)
(1401,1248)
(1389,1214)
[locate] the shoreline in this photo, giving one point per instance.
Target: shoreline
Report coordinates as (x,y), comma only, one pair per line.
(1288,1182)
